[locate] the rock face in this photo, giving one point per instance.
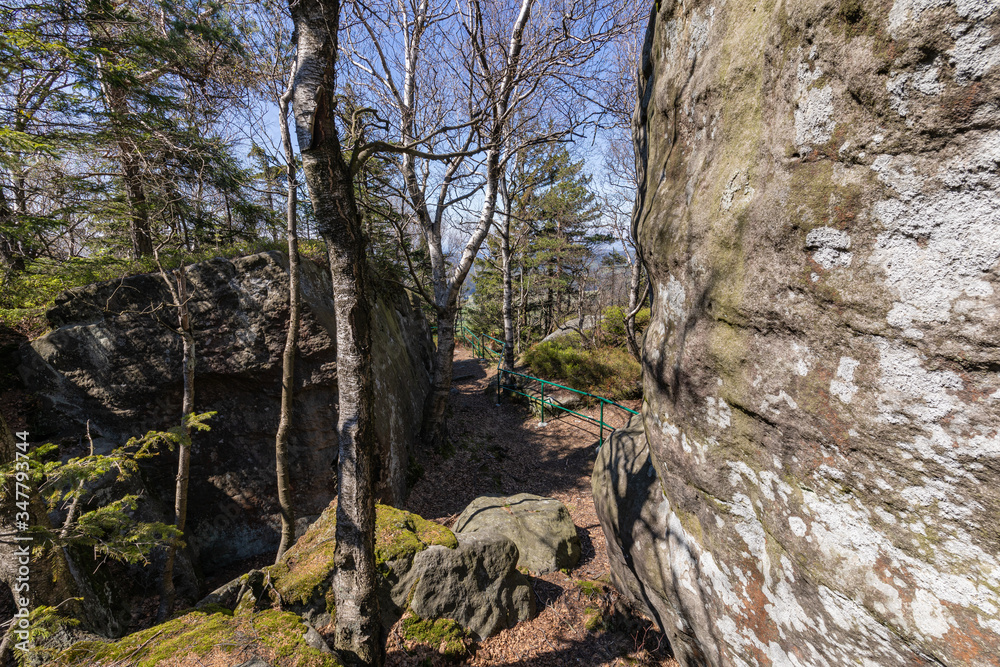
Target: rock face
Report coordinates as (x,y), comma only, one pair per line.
(113,359)
(541,528)
(820,218)
(630,507)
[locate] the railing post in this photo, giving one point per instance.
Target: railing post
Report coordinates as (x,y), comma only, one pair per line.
(543,405)
(602,422)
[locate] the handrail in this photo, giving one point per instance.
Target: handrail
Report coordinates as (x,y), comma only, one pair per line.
(482,349)
(542,403)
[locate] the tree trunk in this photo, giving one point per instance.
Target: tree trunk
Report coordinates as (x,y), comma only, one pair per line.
(634,305)
(180,294)
(506,261)
(292,339)
(358,633)
(549,302)
(139,229)
(435,413)
(12,259)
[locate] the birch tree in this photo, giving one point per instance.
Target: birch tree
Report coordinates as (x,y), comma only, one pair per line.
(292,338)
(329,178)
(463,83)
(179,293)
(622,182)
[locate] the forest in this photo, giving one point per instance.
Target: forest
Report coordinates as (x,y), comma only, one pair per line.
(499,332)
(476,156)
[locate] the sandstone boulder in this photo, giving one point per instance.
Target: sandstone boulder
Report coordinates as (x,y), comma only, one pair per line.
(471,580)
(113,360)
(541,528)
(476,585)
(819,214)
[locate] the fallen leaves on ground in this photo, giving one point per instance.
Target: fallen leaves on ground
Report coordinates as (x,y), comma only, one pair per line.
(501,449)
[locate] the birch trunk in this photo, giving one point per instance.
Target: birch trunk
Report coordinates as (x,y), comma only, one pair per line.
(358,635)
(506,261)
(634,305)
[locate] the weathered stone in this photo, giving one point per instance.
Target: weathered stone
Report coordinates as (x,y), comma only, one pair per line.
(541,528)
(563,398)
(571,327)
(635,518)
(471,581)
(820,219)
(113,360)
(315,640)
(476,585)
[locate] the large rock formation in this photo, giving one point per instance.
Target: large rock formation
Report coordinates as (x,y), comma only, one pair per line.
(113,359)
(820,216)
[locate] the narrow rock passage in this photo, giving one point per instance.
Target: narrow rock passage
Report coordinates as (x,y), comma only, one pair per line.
(502,450)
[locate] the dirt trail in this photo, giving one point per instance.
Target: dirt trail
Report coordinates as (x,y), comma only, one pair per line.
(504,450)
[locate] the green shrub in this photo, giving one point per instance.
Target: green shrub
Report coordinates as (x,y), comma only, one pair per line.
(613,323)
(609,371)
(642,320)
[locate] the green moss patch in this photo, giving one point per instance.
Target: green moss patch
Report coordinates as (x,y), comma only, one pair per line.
(308,564)
(593,618)
(444,635)
(399,534)
(284,633)
(592,589)
(195,635)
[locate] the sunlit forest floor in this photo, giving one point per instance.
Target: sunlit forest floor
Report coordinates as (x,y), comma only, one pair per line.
(502,450)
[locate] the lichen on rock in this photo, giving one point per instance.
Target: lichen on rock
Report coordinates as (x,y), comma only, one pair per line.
(820,369)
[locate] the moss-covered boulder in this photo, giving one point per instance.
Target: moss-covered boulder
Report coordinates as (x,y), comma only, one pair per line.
(212,635)
(420,564)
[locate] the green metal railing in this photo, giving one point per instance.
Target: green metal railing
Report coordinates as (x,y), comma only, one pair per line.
(484,347)
(482,344)
(542,403)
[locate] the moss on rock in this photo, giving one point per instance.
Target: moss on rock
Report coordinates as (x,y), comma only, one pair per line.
(308,564)
(443,635)
(195,635)
(400,534)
